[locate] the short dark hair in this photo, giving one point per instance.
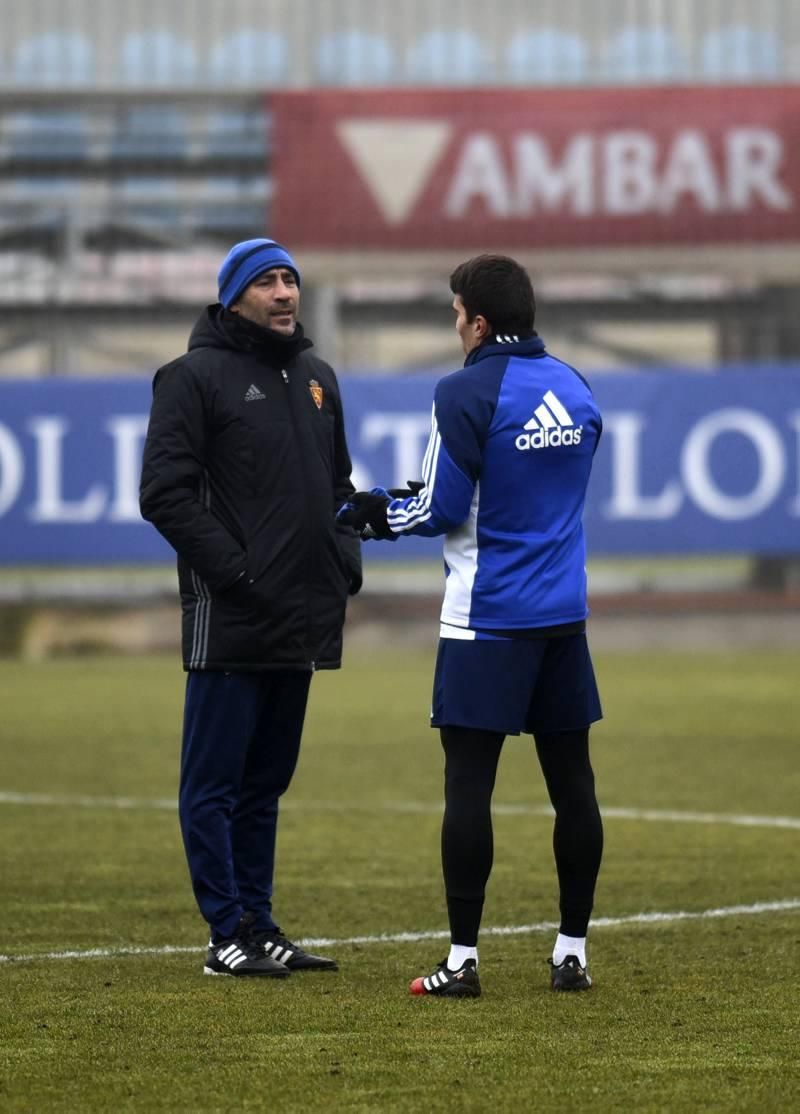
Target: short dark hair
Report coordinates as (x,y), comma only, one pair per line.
(499,289)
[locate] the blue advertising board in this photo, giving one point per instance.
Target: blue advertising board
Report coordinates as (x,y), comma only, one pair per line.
(688,463)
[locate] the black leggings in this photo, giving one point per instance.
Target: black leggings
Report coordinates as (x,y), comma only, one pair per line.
(471,759)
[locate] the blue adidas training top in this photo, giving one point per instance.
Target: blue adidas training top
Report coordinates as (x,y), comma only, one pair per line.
(513,435)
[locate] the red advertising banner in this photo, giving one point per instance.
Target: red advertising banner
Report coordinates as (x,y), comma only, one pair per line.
(431,170)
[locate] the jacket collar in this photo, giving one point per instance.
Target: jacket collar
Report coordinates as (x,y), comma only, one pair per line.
(504,344)
(274,346)
(219,328)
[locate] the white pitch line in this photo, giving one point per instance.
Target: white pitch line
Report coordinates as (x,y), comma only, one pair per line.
(681,817)
(67,800)
(167,804)
(789,905)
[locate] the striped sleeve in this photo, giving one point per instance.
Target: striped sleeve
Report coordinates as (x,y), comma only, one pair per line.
(450,470)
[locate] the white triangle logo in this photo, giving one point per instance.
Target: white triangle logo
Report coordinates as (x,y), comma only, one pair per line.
(395,158)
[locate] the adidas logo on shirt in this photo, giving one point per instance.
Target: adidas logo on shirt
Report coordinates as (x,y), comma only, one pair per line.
(253,394)
(550,427)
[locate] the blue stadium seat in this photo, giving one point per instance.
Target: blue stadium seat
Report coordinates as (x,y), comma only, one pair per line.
(155,132)
(449,58)
(354,58)
(151,201)
(233,222)
(149,187)
(546,57)
(49,136)
(45,190)
(739,53)
(249,58)
(38,205)
(54,59)
(236,134)
(158,58)
(644,54)
(233,207)
(219,190)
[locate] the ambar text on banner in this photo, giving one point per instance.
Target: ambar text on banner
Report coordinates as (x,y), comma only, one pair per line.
(424,170)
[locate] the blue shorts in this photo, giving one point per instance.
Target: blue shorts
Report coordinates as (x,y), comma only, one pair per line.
(515,684)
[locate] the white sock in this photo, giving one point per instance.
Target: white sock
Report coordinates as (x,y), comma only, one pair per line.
(569,945)
(458,956)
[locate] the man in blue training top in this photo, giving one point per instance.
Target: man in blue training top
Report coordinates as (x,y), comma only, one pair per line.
(504,478)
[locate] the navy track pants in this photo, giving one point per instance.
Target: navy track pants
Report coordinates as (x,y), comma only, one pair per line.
(241,739)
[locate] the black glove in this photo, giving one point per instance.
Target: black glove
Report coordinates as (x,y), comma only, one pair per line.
(414,488)
(365,511)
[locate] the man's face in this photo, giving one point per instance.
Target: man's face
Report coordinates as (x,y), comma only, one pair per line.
(271,300)
(471,333)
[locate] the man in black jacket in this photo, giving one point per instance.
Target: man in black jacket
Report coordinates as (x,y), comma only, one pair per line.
(244,466)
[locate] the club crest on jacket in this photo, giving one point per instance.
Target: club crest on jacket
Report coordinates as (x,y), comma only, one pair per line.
(316,392)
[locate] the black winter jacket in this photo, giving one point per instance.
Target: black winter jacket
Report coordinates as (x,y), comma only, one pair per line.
(245,464)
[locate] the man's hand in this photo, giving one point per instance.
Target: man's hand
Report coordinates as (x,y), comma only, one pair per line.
(365,511)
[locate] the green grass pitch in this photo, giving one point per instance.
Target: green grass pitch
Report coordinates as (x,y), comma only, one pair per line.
(695,1014)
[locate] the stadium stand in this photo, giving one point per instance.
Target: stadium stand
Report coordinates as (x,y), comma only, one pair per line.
(449,58)
(644,54)
(151,203)
(262,44)
(546,57)
(46,136)
(123,126)
(41,202)
(247,58)
(158,59)
(354,58)
(739,53)
(212,209)
(236,134)
(148,132)
(56,60)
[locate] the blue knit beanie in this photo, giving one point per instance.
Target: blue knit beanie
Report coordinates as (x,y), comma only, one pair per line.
(246,261)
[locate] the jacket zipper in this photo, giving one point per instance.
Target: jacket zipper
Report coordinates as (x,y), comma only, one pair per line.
(293,420)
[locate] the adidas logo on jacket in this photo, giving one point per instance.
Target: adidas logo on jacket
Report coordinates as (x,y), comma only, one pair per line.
(551,427)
